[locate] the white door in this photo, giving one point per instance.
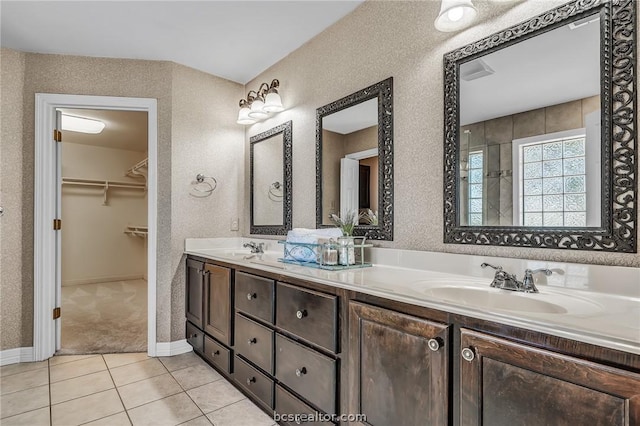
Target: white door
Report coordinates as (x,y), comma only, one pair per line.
(349,172)
(59,233)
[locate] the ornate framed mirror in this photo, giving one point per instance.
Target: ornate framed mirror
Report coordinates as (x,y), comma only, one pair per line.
(540,141)
(354,160)
(271,181)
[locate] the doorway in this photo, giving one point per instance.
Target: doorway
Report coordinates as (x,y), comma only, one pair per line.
(104,159)
(53,179)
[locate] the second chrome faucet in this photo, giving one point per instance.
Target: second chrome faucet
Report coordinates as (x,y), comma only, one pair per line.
(506,281)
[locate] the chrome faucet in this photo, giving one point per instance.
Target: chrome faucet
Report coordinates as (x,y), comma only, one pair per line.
(506,281)
(255,247)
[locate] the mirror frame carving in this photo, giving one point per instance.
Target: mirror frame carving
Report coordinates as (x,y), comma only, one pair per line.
(618,232)
(384,92)
(287,176)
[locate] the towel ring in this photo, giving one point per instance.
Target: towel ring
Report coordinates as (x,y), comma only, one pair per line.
(275,192)
(204,186)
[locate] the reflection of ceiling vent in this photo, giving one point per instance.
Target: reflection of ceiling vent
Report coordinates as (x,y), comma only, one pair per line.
(474,70)
(582,22)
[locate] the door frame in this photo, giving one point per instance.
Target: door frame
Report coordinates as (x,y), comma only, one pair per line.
(47,281)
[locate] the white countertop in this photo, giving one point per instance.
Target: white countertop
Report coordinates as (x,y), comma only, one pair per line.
(594,304)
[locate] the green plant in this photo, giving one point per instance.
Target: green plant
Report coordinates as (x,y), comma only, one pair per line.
(346,223)
(370,217)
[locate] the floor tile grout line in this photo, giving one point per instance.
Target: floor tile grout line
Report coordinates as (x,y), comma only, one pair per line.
(76,377)
(136,381)
(119,396)
(20,372)
(24,390)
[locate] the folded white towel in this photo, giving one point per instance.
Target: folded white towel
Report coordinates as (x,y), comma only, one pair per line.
(302,253)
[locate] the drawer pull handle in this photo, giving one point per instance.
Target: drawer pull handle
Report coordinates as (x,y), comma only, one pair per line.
(252,341)
(251,380)
(468,354)
(193,336)
(434,344)
(251,296)
(301,371)
(216,353)
(301,314)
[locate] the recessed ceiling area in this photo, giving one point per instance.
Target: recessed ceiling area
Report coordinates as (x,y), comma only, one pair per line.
(126,130)
(236,40)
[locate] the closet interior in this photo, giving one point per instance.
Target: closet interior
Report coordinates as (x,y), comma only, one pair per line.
(104,232)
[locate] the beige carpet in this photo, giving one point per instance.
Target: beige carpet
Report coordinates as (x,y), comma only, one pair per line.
(104,317)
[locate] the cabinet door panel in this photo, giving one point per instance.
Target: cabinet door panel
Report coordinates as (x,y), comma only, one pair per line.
(193,292)
(395,378)
(217,303)
(507,383)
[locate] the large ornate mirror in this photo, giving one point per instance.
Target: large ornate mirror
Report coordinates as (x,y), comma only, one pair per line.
(271,173)
(540,132)
(354,160)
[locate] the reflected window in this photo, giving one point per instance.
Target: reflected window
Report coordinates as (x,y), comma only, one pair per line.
(476,168)
(553,184)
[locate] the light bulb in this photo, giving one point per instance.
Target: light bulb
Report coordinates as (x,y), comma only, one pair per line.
(455,14)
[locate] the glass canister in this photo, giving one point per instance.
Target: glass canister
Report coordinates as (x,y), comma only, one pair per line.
(346,251)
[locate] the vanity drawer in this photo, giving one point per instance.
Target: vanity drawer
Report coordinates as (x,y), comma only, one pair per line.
(254,381)
(254,296)
(289,405)
(307,372)
(195,337)
(254,342)
(217,354)
(308,314)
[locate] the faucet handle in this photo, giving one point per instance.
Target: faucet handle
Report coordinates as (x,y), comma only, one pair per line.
(497,268)
(530,272)
(527,282)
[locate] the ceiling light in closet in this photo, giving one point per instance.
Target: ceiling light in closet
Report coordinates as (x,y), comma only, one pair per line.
(260,104)
(455,15)
(81,124)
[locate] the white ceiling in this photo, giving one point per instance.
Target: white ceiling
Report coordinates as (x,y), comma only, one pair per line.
(556,67)
(354,118)
(123,129)
(236,40)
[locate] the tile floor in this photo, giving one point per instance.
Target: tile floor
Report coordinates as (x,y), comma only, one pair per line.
(122,389)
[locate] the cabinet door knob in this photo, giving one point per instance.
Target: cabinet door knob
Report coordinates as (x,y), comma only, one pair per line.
(193,336)
(252,341)
(251,380)
(301,371)
(434,344)
(301,314)
(251,296)
(216,353)
(468,354)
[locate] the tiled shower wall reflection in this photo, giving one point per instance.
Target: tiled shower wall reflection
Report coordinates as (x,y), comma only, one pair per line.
(494,138)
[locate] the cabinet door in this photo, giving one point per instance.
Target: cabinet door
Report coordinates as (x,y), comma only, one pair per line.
(398,368)
(506,383)
(193,292)
(217,302)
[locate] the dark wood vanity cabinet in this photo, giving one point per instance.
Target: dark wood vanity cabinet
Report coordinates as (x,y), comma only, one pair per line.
(398,367)
(507,383)
(217,303)
(193,292)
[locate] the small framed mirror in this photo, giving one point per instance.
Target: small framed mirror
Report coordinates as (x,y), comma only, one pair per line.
(271,181)
(354,160)
(540,142)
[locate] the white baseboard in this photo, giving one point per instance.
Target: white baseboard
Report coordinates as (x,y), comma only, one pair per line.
(173,348)
(14,356)
(81,281)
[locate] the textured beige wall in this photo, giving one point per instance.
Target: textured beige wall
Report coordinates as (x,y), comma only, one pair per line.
(375,41)
(12,316)
(91,227)
(207,140)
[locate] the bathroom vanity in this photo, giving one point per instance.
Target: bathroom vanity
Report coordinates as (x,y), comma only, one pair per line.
(385,343)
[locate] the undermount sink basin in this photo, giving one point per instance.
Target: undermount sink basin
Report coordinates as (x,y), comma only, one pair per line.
(504,300)
(245,254)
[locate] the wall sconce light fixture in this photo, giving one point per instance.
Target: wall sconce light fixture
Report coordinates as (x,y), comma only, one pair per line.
(455,15)
(259,104)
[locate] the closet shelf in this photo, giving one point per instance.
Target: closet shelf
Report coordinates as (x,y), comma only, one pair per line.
(137,231)
(135,170)
(106,185)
